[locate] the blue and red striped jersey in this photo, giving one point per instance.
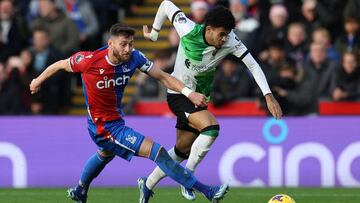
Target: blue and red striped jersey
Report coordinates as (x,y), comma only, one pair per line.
(104,82)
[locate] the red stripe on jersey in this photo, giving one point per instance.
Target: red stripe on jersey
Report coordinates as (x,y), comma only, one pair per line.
(98,77)
(101,131)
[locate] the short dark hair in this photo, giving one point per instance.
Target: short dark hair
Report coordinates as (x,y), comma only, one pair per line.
(220,16)
(41,29)
(121,29)
(351,19)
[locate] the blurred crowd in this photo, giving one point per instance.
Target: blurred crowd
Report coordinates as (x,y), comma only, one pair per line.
(36,33)
(308,49)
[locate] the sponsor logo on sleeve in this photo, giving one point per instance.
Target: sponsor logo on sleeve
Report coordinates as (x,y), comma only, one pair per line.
(180,18)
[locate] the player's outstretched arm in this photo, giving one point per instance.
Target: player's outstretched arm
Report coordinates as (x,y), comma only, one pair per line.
(176,85)
(47,73)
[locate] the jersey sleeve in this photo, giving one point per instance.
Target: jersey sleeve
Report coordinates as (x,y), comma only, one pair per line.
(79,61)
(144,64)
(182,23)
(168,9)
(239,49)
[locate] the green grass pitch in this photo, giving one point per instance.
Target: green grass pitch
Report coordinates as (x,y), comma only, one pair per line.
(172,195)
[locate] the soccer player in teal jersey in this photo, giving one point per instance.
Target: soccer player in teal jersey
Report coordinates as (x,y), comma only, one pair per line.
(105,74)
(201,49)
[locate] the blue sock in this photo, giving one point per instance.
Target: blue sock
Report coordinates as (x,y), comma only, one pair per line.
(94,165)
(170,167)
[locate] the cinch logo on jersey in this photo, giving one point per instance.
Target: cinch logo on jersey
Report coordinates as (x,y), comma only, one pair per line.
(106,83)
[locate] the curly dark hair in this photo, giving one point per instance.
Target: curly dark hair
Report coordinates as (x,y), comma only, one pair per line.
(220,16)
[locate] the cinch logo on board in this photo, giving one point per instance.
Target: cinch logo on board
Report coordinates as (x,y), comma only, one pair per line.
(283,167)
(19,164)
(109,83)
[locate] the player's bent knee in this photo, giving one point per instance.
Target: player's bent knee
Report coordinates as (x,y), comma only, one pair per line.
(181,154)
(211,130)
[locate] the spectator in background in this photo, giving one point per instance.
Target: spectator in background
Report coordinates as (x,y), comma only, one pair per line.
(274,60)
(232,81)
(322,13)
(275,30)
(12,30)
(323,69)
(63,31)
(349,40)
(345,84)
(295,94)
(310,18)
(198,9)
(13,88)
(321,35)
(246,15)
(352,8)
(295,46)
(57,89)
(83,15)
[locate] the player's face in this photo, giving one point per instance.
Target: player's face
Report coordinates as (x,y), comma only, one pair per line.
(217,36)
(121,47)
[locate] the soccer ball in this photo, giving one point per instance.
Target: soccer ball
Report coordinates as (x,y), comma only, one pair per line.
(281,198)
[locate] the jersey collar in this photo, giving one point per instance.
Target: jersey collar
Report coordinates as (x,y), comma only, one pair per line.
(109,62)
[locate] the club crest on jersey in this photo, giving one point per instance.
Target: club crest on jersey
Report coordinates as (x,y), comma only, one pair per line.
(125,69)
(131,139)
(79,58)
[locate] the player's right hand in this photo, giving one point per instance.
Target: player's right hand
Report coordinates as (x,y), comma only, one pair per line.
(153,35)
(34,86)
(273,106)
(198,99)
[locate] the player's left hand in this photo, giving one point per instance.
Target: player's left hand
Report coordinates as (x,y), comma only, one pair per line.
(34,86)
(273,106)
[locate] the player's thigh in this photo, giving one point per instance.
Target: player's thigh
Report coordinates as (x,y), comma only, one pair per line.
(122,140)
(182,107)
(184,140)
(202,119)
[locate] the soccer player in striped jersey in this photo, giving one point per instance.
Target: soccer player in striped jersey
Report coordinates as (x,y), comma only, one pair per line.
(201,49)
(105,73)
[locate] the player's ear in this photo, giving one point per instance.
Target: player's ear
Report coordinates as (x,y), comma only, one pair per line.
(110,42)
(208,28)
